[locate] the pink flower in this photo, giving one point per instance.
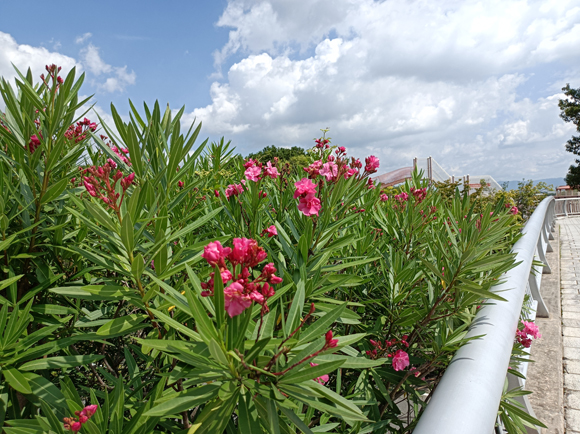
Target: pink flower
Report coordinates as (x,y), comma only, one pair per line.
(372,164)
(249,163)
(268,274)
(253,173)
(272,232)
(322,379)
(329,171)
(514,210)
(214,253)
(33,144)
(271,171)
(350,172)
(76,426)
(90,188)
(531,328)
(403,197)
(314,169)
(309,205)
(384,197)
(180,184)
(330,343)
(127,181)
(304,187)
(246,251)
(233,190)
(522,338)
(400,360)
(235,299)
(217,193)
(89,410)
(111,163)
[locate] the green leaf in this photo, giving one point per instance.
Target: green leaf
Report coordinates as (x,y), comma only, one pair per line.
(310,373)
(127,233)
(177,325)
(295,312)
(295,419)
(100,215)
(17,381)
(247,415)
(218,298)
(178,402)
(339,267)
(350,362)
(54,191)
(322,325)
(120,325)
(60,362)
(137,266)
(217,353)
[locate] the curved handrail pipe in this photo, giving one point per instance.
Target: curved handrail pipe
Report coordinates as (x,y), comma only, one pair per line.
(468,395)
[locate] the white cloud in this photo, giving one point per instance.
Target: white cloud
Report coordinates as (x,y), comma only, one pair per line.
(119,77)
(81,39)
(92,59)
(113,78)
(402,78)
(25,56)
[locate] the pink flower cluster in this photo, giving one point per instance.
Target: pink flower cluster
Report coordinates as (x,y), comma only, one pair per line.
(402,197)
(100,184)
(79,132)
(34,143)
(322,143)
(270,231)
(240,294)
(74,424)
(419,194)
(255,171)
(234,190)
(400,357)
(372,164)
(308,203)
(530,329)
(384,197)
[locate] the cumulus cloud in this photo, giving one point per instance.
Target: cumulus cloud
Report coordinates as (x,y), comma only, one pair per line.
(118,78)
(25,56)
(105,77)
(400,78)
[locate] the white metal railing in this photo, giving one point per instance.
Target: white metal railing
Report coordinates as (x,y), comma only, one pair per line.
(566,206)
(468,395)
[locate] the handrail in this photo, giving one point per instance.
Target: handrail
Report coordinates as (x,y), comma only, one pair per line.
(467,398)
(566,206)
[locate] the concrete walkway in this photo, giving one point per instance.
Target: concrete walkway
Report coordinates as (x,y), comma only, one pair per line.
(570,284)
(545,377)
(555,377)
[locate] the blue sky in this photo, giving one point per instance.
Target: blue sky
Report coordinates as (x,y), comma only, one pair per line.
(474,84)
(168,45)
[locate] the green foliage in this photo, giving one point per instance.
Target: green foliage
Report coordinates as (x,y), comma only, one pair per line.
(573,177)
(570,112)
(103,298)
(292,159)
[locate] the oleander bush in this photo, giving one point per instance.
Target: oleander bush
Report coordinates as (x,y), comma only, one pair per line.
(152,284)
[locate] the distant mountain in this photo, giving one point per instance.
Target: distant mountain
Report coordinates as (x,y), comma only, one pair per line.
(555,182)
